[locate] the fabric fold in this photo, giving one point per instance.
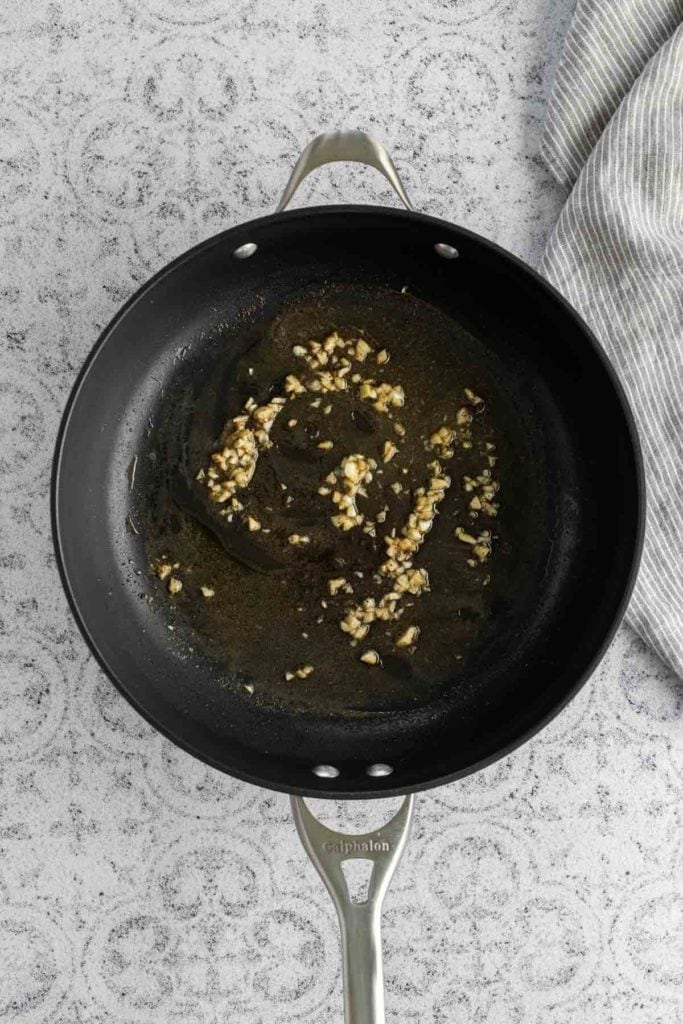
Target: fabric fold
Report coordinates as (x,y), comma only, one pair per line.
(608,44)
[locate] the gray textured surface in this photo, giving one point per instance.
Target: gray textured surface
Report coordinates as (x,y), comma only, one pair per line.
(135,885)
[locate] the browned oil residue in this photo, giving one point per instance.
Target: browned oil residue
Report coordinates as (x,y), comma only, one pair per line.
(272,610)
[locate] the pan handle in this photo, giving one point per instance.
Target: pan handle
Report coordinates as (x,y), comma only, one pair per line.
(359,922)
(354,146)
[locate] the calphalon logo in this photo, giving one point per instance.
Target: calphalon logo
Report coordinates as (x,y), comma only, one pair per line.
(349,846)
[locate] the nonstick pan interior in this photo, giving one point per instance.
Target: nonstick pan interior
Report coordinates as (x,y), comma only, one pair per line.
(574,541)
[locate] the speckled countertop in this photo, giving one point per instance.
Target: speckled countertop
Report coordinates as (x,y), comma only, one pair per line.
(136,886)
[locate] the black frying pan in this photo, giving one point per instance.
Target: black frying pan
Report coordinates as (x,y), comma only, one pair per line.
(575,532)
(149,404)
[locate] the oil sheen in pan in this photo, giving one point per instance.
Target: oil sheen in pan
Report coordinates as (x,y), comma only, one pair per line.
(267,620)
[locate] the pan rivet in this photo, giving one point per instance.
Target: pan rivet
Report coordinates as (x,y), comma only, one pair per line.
(447,251)
(379,771)
(243,252)
(326,771)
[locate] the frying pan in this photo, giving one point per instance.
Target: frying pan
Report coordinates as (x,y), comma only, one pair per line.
(583,527)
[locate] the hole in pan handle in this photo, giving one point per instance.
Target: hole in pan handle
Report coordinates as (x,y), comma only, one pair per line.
(354,146)
(359,922)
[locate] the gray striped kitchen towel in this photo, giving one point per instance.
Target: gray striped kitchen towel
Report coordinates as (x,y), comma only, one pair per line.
(615,132)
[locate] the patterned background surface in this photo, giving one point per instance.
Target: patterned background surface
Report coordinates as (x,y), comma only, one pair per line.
(137,886)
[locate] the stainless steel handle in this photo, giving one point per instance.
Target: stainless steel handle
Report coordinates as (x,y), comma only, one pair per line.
(356,147)
(359,922)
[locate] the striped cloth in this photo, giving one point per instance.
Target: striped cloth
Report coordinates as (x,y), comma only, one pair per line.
(614,135)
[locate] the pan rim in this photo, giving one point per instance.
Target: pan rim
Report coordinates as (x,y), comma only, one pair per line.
(239,234)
